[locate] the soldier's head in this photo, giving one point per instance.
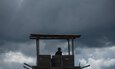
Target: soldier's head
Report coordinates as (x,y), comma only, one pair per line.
(59,49)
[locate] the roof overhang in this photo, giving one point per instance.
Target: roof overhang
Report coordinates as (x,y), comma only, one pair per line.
(44,36)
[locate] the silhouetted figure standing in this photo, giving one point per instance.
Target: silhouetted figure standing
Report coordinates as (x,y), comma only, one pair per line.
(59,52)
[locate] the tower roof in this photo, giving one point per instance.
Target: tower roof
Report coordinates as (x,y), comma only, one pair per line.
(48,36)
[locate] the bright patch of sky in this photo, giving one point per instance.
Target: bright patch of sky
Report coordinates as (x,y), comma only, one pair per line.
(18,57)
(97,58)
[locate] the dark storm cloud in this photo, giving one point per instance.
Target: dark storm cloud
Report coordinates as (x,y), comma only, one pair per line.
(65,17)
(94,20)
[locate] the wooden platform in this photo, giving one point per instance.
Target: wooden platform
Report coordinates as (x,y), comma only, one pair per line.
(77,67)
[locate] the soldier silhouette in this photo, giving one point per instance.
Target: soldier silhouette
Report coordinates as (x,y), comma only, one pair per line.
(59,52)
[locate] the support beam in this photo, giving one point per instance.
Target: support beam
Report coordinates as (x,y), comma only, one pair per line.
(27,65)
(72,46)
(68,46)
(37,51)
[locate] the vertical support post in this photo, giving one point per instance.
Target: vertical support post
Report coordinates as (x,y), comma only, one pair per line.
(72,46)
(37,51)
(68,46)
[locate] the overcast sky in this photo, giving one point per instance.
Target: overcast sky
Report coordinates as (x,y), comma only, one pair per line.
(93,19)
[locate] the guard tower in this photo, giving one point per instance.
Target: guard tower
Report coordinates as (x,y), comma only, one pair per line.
(55,61)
